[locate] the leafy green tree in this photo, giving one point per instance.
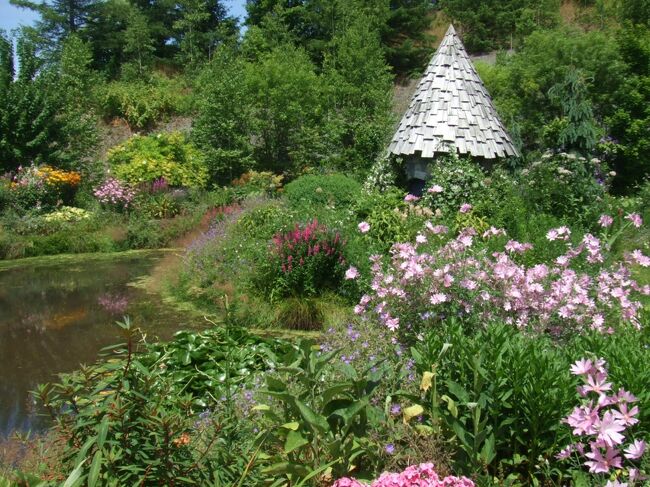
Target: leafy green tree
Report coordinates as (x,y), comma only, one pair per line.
(138,45)
(58,19)
(578,128)
(359,84)
(222,128)
(28,128)
(404,35)
(285,92)
(314,24)
(493,24)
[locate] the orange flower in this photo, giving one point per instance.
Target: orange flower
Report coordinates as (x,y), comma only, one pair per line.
(182,440)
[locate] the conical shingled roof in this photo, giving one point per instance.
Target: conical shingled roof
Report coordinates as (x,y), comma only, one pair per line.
(451,107)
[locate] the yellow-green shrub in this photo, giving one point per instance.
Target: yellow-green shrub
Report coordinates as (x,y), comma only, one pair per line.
(169,156)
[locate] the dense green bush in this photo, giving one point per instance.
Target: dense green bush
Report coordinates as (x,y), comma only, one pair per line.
(461,181)
(169,156)
(333,190)
(144,103)
(391,219)
(503,395)
(565,186)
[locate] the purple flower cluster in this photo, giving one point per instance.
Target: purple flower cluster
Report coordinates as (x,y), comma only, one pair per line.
(422,475)
(601,421)
(115,193)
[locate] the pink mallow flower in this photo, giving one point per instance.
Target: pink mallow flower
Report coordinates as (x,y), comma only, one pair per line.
(605,221)
(410,198)
(364,227)
(635,450)
(465,208)
(436,188)
(600,463)
(352,273)
(635,218)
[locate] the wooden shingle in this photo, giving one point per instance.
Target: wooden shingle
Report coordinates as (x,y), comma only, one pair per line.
(452,105)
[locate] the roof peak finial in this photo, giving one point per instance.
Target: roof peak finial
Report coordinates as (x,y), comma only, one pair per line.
(451,30)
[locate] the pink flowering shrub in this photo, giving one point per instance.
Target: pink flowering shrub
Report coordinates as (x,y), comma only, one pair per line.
(422,475)
(304,262)
(601,425)
(114,193)
(422,283)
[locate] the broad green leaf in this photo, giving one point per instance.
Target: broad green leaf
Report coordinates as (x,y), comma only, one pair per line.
(95,468)
(294,440)
(314,419)
(75,477)
(293,426)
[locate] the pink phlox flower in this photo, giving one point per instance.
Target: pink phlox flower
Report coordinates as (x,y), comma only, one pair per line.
(635,450)
(635,218)
(602,463)
(438,298)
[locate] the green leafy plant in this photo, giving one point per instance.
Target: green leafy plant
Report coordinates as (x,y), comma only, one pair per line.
(334,190)
(169,156)
(317,427)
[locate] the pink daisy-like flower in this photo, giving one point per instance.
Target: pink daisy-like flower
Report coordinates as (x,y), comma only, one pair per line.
(364,227)
(582,367)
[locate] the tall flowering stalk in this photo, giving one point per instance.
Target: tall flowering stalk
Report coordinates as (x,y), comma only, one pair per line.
(305,261)
(422,475)
(417,286)
(601,426)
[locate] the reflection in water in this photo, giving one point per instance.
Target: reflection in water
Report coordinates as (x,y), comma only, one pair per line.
(55,317)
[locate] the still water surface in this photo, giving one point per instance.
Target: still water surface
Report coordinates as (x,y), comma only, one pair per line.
(55,316)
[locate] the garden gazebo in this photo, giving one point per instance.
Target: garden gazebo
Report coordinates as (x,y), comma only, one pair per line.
(450,111)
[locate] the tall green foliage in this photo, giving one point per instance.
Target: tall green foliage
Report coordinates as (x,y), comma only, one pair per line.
(359,86)
(493,24)
(222,127)
(315,24)
(27,113)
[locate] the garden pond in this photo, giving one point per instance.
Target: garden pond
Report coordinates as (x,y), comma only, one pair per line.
(57,313)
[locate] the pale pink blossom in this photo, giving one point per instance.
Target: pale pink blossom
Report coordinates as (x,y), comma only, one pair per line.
(352,273)
(635,218)
(635,450)
(605,221)
(364,227)
(465,208)
(436,188)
